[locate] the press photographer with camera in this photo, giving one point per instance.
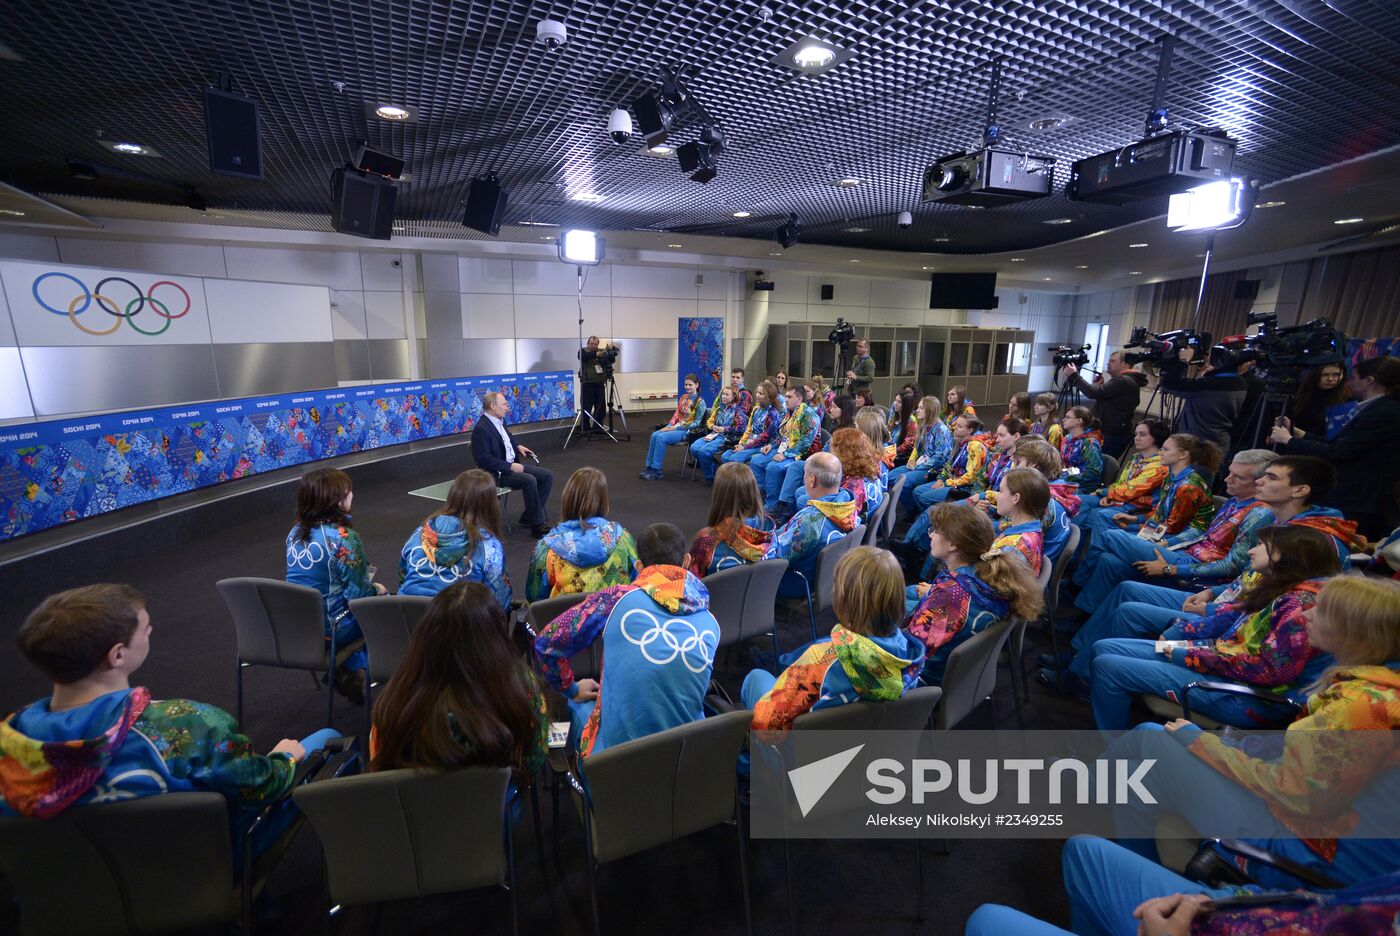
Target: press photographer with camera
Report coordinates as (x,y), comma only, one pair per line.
(595,366)
(1212,403)
(1115,400)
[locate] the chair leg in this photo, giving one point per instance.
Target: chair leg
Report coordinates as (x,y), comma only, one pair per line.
(743,863)
(539,826)
(330,684)
(512,890)
(791,904)
(592,865)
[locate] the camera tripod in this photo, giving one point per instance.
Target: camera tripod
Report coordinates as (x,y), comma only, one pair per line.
(843,364)
(1270,406)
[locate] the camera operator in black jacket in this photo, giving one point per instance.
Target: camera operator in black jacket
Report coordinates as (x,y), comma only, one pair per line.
(1211,403)
(1115,401)
(593,376)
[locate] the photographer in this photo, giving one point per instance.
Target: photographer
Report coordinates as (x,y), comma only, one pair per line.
(862,371)
(595,367)
(1211,403)
(1115,400)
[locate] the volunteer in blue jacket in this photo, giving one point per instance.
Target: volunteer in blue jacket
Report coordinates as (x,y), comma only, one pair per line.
(459,542)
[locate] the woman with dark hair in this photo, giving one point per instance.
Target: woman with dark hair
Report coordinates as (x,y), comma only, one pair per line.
(325,553)
(1045,407)
(585,552)
(463,696)
(737,531)
(780,383)
(1022,407)
(1321,388)
(459,541)
(904,434)
(840,413)
(957,405)
(1261,640)
(864,397)
(1138,479)
(1082,449)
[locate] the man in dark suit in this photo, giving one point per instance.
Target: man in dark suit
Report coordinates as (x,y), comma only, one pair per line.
(497,452)
(1367,468)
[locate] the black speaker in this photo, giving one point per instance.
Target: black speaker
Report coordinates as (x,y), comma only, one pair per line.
(1247,290)
(383,164)
(362,204)
(486,206)
(828,292)
(232,123)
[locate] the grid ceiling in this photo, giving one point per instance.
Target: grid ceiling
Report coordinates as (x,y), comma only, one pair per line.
(1301,83)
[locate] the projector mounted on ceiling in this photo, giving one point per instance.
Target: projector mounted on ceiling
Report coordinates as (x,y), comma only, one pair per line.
(988,177)
(1164,164)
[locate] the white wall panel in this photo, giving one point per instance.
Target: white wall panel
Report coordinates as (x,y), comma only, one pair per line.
(557,317)
(28,247)
(338,269)
(384,315)
(184,259)
(713,308)
(888,316)
(847,290)
(830,312)
(379,272)
(654,282)
(787,288)
(716,284)
(14,394)
(481,275)
(348,315)
(552,278)
(488,315)
(649,318)
(899,294)
(247,313)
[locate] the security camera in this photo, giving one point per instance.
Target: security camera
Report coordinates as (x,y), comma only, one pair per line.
(396,263)
(552,33)
(905,219)
(620,125)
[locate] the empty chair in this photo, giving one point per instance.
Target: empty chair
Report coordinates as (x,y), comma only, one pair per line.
(742,599)
(279,624)
(820,599)
(660,788)
(401,834)
(892,499)
(586,664)
(1110,469)
(387,621)
(971,673)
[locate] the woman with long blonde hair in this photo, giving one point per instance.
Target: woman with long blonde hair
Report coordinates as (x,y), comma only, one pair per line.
(930,453)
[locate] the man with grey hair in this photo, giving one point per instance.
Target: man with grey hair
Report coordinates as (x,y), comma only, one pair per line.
(497,453)
(830,515)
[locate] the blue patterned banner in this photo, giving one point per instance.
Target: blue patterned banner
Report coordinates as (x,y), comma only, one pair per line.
(59,471)
(702,354)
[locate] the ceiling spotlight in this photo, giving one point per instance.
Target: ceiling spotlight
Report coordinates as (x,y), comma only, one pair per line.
(669,105)
(675,245)
(538,223)
(743,214)
(941,240)
(395,112)
(1271,204)
(1047,124)
(586,197)
(661,149)
(1348,220)
(787,233)
(811,56)
(581,248)
(853,261)
(775,253)
(195,201)
(11,213)
(1045,279)
(700,157)
(1018,259)
(1215,206)
(1060,221)
(1082,266)
(856,230)
(1137,245)
(847,182)
(128,148)
(131,149)
(928,268)
(1134,272)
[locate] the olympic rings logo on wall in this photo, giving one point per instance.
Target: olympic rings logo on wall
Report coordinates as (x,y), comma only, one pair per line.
(137,304)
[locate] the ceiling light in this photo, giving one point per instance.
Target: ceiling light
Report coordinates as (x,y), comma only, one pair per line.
(1348,220)
(929,268)
(10,212)
(1134,272)
(775,253)
(581,248)
(538,223)
(128,148)
(941,240)
(742,214)
(1096,234)
(1047,124)
(1060,221)
(856,230)
(811,56)
(700,158)
(1018,259)
(1082,266)
(131,149)
(1215,206)
(586,197)
(660,149)
(399,227)
(847,182)
(1137,245)
(1271,204)
(675,245)
(853,261)
(1045,278)
(392,112)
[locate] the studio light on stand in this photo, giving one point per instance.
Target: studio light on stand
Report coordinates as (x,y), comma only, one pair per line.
(1212,208)
(585,249)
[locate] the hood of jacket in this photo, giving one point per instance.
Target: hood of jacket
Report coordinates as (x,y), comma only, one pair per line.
(879,668)
(444,541)
(1376,688)
(674,589)
(1136,377)
(584,543)
(49,760)
(840,508)
(748,543)
(1329,520)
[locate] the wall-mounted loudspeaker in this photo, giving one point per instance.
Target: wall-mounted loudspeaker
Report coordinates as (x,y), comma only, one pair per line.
(231,122)
(828,292)
(362,204)
(486,206)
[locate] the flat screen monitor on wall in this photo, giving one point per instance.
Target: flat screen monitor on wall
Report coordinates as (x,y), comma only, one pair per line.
(963,291)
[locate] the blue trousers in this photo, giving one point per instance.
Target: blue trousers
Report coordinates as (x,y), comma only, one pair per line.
(926,495)
(1124,668)
(706,451)
(277,821)
(348,631)
(759,463)
(774,474)
(739,455)
(756,686)
(792,491)
(913,477)
(656,447)
(1105,883)
(1132,609)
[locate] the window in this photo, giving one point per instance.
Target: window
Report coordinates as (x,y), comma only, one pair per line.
(1096,335)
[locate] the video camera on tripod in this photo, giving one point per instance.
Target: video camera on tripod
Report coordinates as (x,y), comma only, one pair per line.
(1162,350)
(606,358)
(1062,355)
(843,333)
(1281,355)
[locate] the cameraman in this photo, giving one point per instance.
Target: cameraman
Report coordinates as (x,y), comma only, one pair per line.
(1211,403)
(862,371)
(1115,400)
(593,374)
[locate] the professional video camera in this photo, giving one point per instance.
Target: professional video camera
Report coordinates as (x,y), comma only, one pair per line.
(843,333)
(1068,354)
(606,358)
(1280,355)
(1162,350)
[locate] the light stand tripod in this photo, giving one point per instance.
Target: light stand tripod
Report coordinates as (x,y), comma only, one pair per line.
(581,414)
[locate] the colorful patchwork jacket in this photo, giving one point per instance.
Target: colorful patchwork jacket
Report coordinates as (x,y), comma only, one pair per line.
(1026,541)
(689,414)
(745,400)
(1066,493)
(1137,482)
(800,434)
(949,417)
(122,745)
(848,667)
(957,606)
(764,424)
(1224,552)
(1183,503)
(1330,521)
(729,421)
(1052,433)
(581,556)
(1085,452)
(822,522)
(904,448)
(659,641)
(436,556)
(1369,907)
(1268,648)
(998,464)
(934,447)
(732,544)
(968,467)
(1314,784)
(332,561)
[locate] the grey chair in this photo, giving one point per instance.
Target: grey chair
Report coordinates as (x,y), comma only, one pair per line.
(742,600)
(1220,500)
(283,625)
(661,788)
(403,834)
(387,621)
(970,676)
(891,515)
(1052,591)
(819,600)
(874,521)
(586,664)
(1110,470)
(100,869)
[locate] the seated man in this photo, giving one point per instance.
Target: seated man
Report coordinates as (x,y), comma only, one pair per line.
(659,640)
(97,739)
(829,515)
(497,453)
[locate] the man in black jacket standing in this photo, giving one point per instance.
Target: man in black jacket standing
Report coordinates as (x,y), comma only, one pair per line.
(592,382)
(1115,401)
(497,452)
(1368,470)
